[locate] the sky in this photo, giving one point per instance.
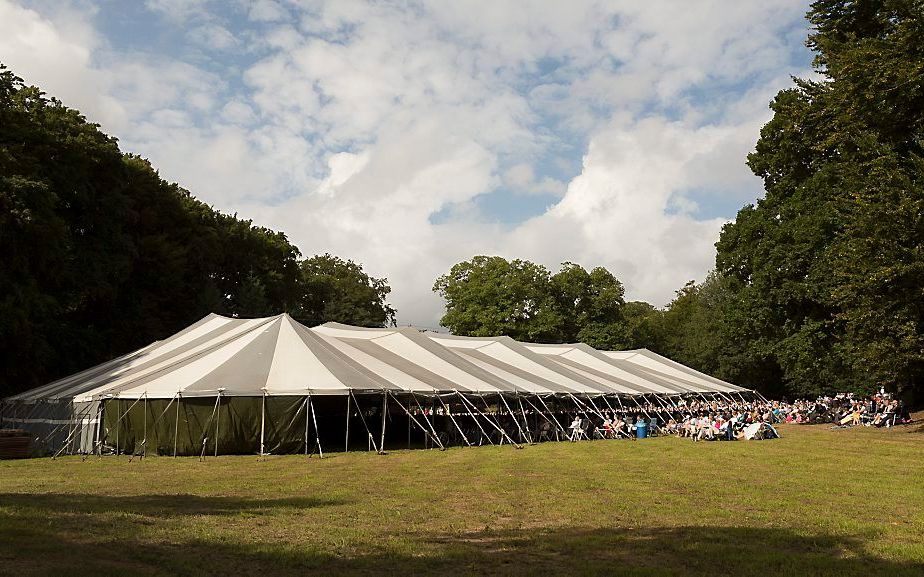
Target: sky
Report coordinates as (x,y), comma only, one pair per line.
(409,136)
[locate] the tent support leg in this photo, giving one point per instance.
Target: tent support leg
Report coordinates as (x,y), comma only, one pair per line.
(529,435)
(431,432)
(217,420)
(262,424)
(305,407)
(453,419)
(544,416)
(384,415)
(551,414)
(176,425)
(314,421)
(363,419)
(205,429)
(346,442)
(503,433)
(484,435)
(515,419)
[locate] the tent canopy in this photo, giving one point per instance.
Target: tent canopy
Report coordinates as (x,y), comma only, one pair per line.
(277,356)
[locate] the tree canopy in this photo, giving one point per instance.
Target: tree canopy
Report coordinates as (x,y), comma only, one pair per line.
(102,256)
(489,295)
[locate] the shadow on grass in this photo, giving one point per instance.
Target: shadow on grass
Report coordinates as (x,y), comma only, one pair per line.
(154,506)
(79,535)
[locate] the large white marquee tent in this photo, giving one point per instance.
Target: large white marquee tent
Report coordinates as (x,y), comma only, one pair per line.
(226,385)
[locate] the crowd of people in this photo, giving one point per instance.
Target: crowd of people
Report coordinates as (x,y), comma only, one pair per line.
(698,418)
(729,419)
(695,419)
(846,410)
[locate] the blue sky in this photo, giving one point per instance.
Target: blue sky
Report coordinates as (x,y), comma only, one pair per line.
(409,136)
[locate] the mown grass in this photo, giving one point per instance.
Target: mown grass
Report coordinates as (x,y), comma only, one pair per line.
(817,502)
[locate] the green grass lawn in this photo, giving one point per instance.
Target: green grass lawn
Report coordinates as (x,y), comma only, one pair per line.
(817,502)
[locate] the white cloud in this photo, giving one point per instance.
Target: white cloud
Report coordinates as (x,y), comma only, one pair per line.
(358,122)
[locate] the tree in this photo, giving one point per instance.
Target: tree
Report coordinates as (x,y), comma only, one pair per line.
(490,296)
(337,290)
(828,266)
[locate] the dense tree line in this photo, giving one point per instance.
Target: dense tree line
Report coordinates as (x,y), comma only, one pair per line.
(101,256)
(819,286)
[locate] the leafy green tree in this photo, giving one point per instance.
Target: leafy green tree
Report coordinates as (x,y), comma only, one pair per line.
(828,265)
(489,295)
(333,289)
(589,305)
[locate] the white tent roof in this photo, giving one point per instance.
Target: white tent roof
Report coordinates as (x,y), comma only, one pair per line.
(279,356)
(653,362)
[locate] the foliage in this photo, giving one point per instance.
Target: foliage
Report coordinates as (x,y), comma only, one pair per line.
(829,265)
(102,256)
(338,290)
(489,295)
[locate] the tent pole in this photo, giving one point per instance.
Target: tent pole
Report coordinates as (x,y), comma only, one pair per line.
(363,419)
(314,421)
(384,411)
(144,443)
(551,414)
(453,419)
(423,413)
(495,422)
(540,413)
(412,418)
(176,424)
(529,435)
(118,424)
(484,435)
(515,419)
(503,433)
(594,405)
(262,423)
(346,442)
(217,419)
(205,429)
(305,407)
(637,404)
(71,435)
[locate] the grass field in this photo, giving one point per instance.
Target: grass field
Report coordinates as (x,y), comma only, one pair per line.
(817,502)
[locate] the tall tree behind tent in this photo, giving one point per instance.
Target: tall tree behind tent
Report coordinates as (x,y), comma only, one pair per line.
(339,290)
(829,265)
(102,256)
(489,295)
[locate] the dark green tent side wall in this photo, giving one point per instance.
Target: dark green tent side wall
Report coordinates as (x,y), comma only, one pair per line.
(127,422)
